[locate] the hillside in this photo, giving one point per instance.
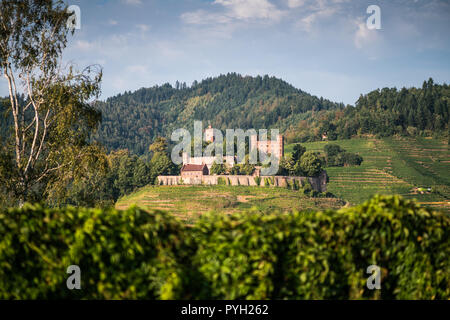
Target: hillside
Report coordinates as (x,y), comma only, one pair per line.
(382,112)
(189,202)
(133,119)
(394,165)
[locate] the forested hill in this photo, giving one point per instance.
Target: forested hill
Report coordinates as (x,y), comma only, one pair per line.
(383,112)
(133,119)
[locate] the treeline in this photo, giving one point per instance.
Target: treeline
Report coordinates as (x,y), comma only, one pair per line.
(133,119)
(385,112)
(135,254)
(121,174)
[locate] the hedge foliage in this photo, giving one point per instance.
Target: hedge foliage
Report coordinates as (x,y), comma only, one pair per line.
(122,255)
(301,255)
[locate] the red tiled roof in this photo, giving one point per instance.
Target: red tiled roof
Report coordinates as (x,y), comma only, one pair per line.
(193,167)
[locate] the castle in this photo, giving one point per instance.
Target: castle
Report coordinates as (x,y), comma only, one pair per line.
(275,147)
(208,161)
(196,170)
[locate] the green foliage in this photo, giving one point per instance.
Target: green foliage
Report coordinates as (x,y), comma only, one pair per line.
(221,181)
(351,159)
(286,167)
(332,150)
(246,169)
(300,255)
(311,164)
(122,254)
(258,180)
(161,164)
(382,112)
(235,170)
(288,185)
(121,174)
(159,145)
(307,189)
(324,255)
(338,157)
(50,118)
(297,152)
(243,169)
(218,169)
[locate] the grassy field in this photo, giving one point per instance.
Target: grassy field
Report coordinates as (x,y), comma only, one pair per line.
(188,202)
(392,165)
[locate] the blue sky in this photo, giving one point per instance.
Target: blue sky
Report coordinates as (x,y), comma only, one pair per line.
(323,47)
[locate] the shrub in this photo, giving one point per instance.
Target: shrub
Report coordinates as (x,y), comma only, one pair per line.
(311,164)
(218,169)
(221,181)
(332,150)
(122,254)
(133,254)
(351,159)
(338,157)
(258,180)
(325,255)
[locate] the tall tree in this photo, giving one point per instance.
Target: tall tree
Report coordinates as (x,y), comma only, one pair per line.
(51,117)
(161,164)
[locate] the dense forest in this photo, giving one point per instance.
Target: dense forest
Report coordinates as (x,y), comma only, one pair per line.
(382,112)
(134,119)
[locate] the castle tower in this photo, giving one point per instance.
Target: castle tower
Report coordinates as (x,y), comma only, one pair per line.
(275,147)
(209,134)
(280,140)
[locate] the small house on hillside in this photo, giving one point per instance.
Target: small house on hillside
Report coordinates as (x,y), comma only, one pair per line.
(194,171)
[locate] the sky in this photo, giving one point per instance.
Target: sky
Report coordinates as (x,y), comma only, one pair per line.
(323,47)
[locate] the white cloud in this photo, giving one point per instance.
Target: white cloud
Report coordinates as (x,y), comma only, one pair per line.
(143,27)
(233,11)
(314,11)
(296,3)
(133,2)
(204,17)
(363,36)
(251,9)
(307,22)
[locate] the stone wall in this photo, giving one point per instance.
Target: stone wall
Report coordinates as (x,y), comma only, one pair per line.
(318,183)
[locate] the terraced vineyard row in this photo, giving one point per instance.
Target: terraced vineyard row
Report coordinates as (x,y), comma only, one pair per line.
(188,202)
(397,165)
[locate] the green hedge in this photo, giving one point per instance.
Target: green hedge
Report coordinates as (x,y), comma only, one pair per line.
(122,255)
(301,255)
